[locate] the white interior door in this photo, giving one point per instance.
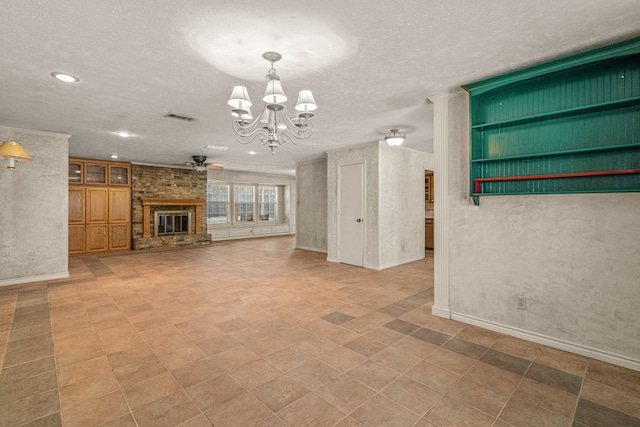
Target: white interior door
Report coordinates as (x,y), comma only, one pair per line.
(350,214)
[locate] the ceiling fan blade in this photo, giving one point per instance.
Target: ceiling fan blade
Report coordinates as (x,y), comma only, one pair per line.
(215,166)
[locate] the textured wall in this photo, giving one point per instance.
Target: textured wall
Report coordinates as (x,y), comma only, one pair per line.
(169,183)
(401,204)
(574,257)
(311,209)
(394,202)
(33,212)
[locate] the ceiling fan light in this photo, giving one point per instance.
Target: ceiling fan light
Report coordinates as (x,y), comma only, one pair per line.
(274,93)
(239,98)
(306,101)
(394,138)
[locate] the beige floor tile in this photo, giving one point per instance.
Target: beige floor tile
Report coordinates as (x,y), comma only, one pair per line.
(345,393)
(314,374)
(241,410)
(433,376)
(280,392)
(311,411)
(450,412)
(255,373)
(373,375)
(168,411)
(412,395)
(381,411)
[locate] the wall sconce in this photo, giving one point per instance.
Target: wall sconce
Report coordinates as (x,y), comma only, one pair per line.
(12,150)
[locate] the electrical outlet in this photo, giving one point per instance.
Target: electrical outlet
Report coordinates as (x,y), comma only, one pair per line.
(522,303)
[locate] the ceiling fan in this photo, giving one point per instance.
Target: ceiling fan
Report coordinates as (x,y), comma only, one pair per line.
(200,163)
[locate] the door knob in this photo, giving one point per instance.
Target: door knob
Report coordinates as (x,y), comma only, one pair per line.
(359,220)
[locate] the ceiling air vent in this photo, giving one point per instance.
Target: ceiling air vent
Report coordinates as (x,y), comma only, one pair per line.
(179,117)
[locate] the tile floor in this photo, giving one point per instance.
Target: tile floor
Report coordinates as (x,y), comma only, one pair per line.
(253,332)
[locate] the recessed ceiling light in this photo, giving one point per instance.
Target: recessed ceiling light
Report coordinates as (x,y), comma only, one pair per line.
(217,147)
(252,152)
(123,133)
(114,156)
(67,78)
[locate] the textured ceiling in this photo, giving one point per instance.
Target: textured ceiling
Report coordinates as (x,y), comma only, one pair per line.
(371,66)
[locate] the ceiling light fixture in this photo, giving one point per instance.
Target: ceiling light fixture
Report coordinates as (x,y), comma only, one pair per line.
(123,133)
(63,77)
(114,156)
(11,151)
(395,138)
(273,126)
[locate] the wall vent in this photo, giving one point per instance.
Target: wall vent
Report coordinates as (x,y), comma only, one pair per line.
(179,117)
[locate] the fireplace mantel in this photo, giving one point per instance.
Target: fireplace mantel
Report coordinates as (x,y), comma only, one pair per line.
(148,202)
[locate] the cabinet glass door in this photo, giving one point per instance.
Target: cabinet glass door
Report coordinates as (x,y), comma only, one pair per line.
(118,175)
(96,174)
(75,173)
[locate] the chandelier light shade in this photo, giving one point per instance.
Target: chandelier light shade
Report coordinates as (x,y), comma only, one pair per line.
(273,126)
(239,98)
(394,138)
(306,102)
(11,151)
(274,93)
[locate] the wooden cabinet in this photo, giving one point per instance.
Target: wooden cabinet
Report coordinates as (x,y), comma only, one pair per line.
(428,233)
(99,213)
(428,187)
(99,172)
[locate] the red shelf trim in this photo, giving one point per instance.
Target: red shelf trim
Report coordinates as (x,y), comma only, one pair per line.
(477,182)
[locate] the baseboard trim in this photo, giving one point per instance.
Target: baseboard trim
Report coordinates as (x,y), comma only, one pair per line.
(42,278)
(582,350)
(309,248)
(441,312)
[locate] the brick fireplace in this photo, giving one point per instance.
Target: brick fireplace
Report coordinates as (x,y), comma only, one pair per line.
(160,189)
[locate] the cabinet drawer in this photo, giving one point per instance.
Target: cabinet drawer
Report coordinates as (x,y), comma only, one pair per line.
(239,232)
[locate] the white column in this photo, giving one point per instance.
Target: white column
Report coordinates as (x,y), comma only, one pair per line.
(441,206)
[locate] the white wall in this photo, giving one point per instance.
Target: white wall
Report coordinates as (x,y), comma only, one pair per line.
(311,209)
(576,258)
(394,202)
(34,209)
(401,204)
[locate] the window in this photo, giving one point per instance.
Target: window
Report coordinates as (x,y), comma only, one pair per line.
(267,202)
(235,203)
(217,203)
(243,203)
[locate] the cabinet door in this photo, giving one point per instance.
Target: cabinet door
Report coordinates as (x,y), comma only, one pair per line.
(76,205)
(75,172)
(95,173)
(428,234)
(119,205)
(119,237)
(97,205)
(119,174)
(97,238)
(76,239)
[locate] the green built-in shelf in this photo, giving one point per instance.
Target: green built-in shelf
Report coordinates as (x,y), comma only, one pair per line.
(568,126)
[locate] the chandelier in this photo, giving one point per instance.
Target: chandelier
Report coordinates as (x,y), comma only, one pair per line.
(273,126)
